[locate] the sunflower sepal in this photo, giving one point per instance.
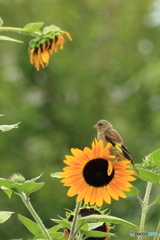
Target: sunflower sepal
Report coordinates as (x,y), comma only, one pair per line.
(51,30)
(96,208)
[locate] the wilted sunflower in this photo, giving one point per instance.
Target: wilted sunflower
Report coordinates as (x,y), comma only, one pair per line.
(42,47)
(94,176)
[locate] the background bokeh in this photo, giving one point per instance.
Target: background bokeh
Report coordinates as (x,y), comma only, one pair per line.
(110,71)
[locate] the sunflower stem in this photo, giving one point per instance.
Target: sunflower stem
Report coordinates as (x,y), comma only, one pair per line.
(151,205)
(74,222)
(77,230)
(158,231)
(29,206)
(139,199)
(145,207)
(18,30)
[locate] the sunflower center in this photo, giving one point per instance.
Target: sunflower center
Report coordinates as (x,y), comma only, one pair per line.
(95,173)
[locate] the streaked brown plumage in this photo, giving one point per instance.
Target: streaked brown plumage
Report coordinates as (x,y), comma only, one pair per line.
(107,133)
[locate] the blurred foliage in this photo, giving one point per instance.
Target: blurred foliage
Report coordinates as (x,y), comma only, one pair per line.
(110,71)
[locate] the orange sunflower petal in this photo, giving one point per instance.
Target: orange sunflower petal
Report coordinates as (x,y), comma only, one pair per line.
(110,168)
(105,195)
(68,35)
(88,195)
(106,150)
(117,190)
(31,56)
(88,152)
(99,198)
(82,193)
(112,193)
(93,197)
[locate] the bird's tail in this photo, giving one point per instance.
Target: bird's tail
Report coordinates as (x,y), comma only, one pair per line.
(135,169)
(124,151)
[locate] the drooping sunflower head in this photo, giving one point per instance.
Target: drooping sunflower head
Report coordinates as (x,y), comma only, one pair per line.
(41,48)
(95,176)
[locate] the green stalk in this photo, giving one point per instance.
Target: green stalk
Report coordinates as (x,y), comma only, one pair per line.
(18,30)
(139,199)
(158,231)
(11,29)
(74,222)
(145,207)
(29,206)
(152,204)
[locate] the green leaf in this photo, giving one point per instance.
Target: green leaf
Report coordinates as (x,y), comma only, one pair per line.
(63,223)
(1,22)
(32,27)
(54,235)
(5,128)
(30,225)
(7,191)
(155,157)
(54,229)
(56,175)
(84,227)
(27,187)
(9,39)
(138,166)
(134,191)
(36,178)
(148,176)
(4,216)
(158,199)
(5,183)
(97,234)
(108,219)
(92,226)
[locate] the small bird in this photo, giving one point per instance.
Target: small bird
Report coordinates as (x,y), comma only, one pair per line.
(107,133)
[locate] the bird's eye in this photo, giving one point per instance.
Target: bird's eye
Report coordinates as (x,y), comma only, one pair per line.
(100,124)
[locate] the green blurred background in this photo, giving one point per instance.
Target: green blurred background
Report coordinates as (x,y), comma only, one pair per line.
(110,71)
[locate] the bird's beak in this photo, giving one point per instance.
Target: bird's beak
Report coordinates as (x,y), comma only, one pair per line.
(95,126)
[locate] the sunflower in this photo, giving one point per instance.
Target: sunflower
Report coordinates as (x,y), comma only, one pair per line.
(85,211)
(95,176)
(44,45)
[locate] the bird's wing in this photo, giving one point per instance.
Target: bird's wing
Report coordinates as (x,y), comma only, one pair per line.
(113,136)
(116,140)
